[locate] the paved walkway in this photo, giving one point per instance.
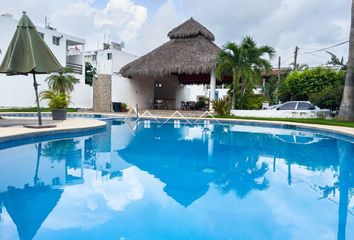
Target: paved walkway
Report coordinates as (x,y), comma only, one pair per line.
(10,122)
(70,125)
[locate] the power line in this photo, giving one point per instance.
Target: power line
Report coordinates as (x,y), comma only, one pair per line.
(319,56)
(287,59)
(322,49)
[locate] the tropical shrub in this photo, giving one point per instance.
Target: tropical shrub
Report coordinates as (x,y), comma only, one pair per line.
(221,106)
(299,86)
(90,72)
(329,97)
(56,100)
(270,90)
(249,101)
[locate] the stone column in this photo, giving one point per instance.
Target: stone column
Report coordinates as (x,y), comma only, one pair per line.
(212,87)
(102,93)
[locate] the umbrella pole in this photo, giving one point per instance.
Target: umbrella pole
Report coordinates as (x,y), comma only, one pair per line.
(39,151)
(35,85)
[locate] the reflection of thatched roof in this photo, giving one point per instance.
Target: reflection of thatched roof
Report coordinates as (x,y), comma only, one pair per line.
(189,51)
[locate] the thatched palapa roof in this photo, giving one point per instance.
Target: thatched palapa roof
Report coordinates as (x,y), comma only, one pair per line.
(190,51)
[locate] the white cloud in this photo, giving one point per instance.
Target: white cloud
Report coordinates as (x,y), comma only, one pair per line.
(154,31)
(122,16)
(283,24)
(118,20)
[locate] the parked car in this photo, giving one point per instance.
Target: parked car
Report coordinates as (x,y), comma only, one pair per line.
(292,109)
(295,105)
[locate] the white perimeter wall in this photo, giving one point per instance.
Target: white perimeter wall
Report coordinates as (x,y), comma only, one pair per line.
(17,91)
(280,114)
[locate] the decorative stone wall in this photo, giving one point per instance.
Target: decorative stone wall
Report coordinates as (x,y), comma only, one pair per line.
(102,93)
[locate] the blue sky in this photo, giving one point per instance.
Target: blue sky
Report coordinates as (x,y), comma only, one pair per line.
(143,24)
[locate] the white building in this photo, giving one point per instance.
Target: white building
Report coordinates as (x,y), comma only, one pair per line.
(17,91)
(109,60)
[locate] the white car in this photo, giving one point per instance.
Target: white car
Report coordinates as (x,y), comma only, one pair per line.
(295,105)
(292,109)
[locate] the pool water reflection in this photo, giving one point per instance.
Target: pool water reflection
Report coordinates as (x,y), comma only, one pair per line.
(179,182)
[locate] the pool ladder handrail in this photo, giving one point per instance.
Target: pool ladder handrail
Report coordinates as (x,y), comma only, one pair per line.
(135,109)
(147,113)
(131,126)
(211,115)
(180,114)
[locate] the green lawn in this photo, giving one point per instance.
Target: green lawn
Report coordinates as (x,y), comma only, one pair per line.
(298,120)
(31,109)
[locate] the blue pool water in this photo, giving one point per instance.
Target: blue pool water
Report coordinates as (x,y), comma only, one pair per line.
(179,182)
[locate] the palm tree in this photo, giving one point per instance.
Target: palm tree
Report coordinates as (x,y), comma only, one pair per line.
(298,67)
(62,82)
(244,62)
(242,174)
(346,110)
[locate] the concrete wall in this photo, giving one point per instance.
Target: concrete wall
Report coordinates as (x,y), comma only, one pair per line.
(102,93)
(144,94)
(17,91)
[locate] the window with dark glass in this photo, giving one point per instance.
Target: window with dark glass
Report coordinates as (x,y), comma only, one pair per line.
(109,56)
(303,106)
(288,106)
(56,40)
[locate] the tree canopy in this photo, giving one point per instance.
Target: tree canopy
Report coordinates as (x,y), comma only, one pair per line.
(244,62)
(304,85)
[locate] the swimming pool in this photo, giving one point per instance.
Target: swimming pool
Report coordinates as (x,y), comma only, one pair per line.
(179,181)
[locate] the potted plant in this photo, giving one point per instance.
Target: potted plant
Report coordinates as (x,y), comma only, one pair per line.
(123,107)
(60,87)
(57,102)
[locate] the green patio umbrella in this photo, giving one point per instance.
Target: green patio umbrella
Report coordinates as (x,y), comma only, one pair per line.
(28,53)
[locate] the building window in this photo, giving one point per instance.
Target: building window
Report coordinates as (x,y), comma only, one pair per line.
(94,57)
(42,34)
(56,40)
(109,56)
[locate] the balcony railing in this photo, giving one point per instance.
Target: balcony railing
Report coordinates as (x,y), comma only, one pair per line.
(76,68)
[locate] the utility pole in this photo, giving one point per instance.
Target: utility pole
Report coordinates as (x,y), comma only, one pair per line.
(295,57)
(279,60)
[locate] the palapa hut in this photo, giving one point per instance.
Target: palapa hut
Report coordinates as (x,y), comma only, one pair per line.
(188,58)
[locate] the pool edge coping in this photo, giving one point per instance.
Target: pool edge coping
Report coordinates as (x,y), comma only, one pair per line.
(340,130)
(26,133)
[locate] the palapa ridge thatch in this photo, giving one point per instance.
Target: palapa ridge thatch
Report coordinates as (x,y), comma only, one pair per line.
(190,28)
(190,51)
